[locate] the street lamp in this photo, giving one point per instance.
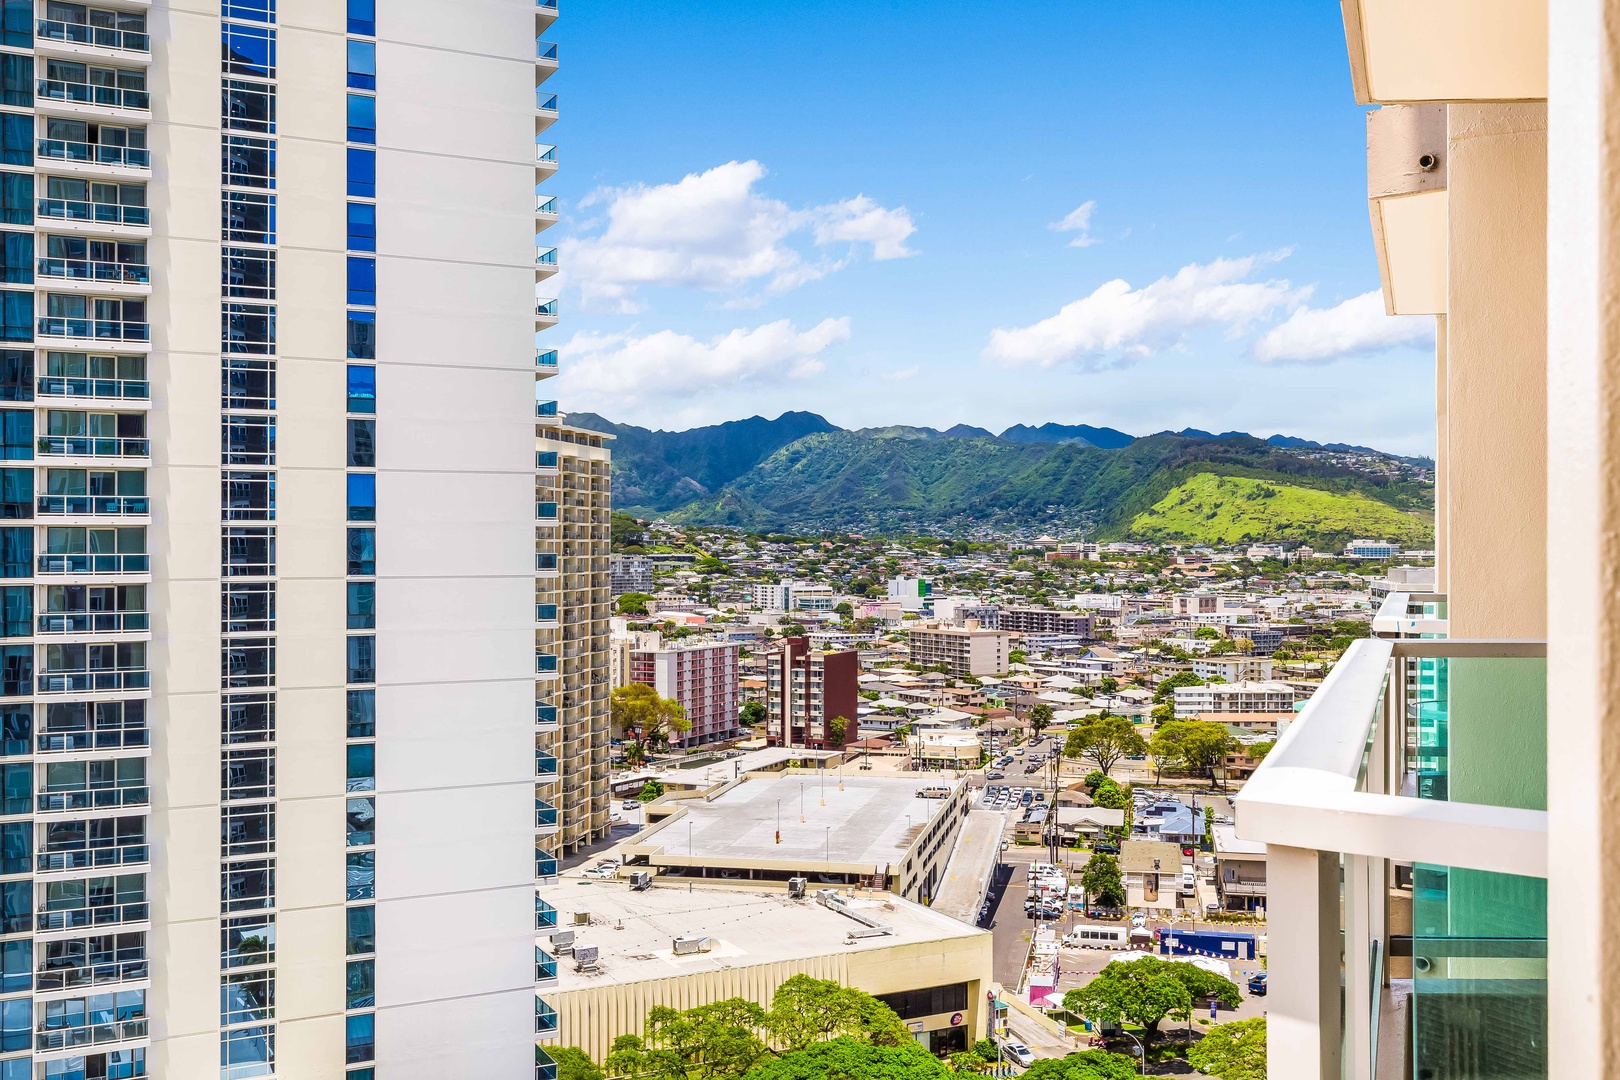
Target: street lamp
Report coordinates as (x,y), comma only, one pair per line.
(1141,1051)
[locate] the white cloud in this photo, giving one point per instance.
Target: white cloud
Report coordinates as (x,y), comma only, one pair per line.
(1356,326)
(612,372)
(1078,220)
(1117,320)
(714,231)
(904,373)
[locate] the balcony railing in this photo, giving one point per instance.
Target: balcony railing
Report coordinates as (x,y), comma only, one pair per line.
(545,101)
(545,765)
(94,622)
(102,212)
(97,329)
(545,154)
(547,258)
(547,206)
(80,682)
(95,564)
(134,157)
(545,815)
(546,309)
(93,975)
(119,738)
(91,446)
(112,97)
(545,916)
(1412,615)
(97,506)
(84,858)
(91,1035)
(545,511)
(545,613)
(545,864)
(545,663)
(53,386)
(547,359)
(105,37)
(545,1067)
(94,270)
(545,50)
(99,799)
(100,915)
(1409,792)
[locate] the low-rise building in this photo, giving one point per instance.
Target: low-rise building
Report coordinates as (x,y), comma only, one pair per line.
(1233,669)
(964,650)
(1152,873)
(1041,620)
(1240,870)
(910,593)
(1266,697)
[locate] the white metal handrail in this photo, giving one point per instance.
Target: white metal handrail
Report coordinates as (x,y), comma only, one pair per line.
(1394,618)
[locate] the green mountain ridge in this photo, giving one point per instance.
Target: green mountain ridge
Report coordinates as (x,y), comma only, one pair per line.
(800,473)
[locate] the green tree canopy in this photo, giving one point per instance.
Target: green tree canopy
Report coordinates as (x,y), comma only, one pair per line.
(1084,1065)
(1138,992)
(805,1011)
(1235,1051)
(644,717)
(847,1058)
(633,603)
(753,714)
(574,1064)
(1040,718)
(711,1041)
(1198,745)
(1207,633)
(1165,692)
(1102,880)
(1104,740)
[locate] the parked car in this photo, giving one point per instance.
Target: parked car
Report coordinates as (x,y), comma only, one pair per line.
(1257,985)
(1018,1052)
(603,871)
(1106,849)
(995,776)
(631,804)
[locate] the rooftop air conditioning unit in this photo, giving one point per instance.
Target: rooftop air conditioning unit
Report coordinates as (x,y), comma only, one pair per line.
(691,944)
(582,918)
(585,957)
(796,887)
(563,941)
(639,880)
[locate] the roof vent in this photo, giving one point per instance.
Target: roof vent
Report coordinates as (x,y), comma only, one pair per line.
(691,944)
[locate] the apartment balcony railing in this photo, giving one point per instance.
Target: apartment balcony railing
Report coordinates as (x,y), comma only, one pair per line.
(94,329)
(103,213)
(545,50)
(90,1035)
(84,858)
(545,1018)
(1243,888)
(545,459)
(52,386)
(545,157)
(545,717)
(104,37)
(545,967)
(546,311)
(1412,615)
(134,157)
(97,506)
(545,865)
(117,738)
(80,918)
(545,1067)
(95,270)
(545,663)
(545,511)
(92,975)
(80,682)
(90,446)
(546,613)
(545,916)
(545,765)
(98,799)
(111,97)
(94,622)
(1409,793)
(95,564)
(547,361)
(547,208)
(545,562)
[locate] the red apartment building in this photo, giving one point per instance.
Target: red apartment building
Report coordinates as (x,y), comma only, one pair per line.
(703,678)
(804,690)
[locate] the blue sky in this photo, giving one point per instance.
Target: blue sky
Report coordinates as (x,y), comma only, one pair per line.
(878,211)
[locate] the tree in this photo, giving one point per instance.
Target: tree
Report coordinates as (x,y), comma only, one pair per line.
(646,718)
(1103,741)
(845,609)
(633,603)
(1235,1051)
(1102,880)
(1165,693)
(753,714)
(1207,633)
(1016,656)
(1199,745)
(837,727)
(1244,645)
(721,1039)
(1139,992)
(1040,718)
(1083,1065)
(1094,779)
(574,1064)
(1259,750)
(1108,684)
(1162,714)
(851,1059)
(805,1011)
(651,790)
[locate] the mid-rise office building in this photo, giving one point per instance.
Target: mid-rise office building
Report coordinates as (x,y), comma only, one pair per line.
(963,650)
(807,692)
(702,678)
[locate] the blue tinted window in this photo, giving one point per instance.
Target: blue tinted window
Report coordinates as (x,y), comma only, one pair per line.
(362,282)
(249,10)
(16,737)
(362,387)
(16,1017)
(362,172)
(17,611)
(16,907)
(362,340)
(362,230)
(16,435)
(16,552)
(16,198)
(17,80)
(16,315)
(17,24)
(362,605)
(362,118)
(16,847)
(248,50)
(16,671)
(362,17)
(362,714)
(16,139)
(362,761)
(16,964)
(362,497)
(362,65)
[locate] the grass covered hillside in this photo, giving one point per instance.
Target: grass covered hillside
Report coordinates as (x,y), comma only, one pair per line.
(1213,509)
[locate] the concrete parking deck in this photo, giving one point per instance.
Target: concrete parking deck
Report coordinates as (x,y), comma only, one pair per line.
(968,874)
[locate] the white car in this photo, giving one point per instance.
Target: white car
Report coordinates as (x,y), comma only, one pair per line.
(603,871)
(1018,1052)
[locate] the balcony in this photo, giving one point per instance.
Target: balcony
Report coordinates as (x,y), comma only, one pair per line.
(85,857)
(545,214)
(545,60)
(545,511)
(94,95)
(1405,816)
(113,1031)
(545,265)
(1412,615)
(101,213)
(94,622)
(71,978)
(545,916)
(545,967)
(546,614)
(545,109)
(96,389)
(545,664)
(545,767)
(96,37)
(93,447)
(545,865)
(112,798)
(545,818)
(90,333)
(123,157)
(545,365)
(545,160)
(545,717)
(86,682)
(545,1067)
(545,13)
(94,564)
(79,918)
(545,314)
(92,506)
(545,564)
(101,738)
(97,272)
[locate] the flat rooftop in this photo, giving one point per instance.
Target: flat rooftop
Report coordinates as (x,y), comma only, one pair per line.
(726,769)
(634,931)
(873,821)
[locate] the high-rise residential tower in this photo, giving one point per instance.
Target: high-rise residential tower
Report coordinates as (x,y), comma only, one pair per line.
(268,688)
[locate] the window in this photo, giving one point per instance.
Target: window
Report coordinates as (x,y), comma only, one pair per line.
(247,941)
(16,139)
(248,552)
(16,966)
(248,272)
(16,375)
(362,68)
(247,384)
(16,256)
(249,10)
(247,328)
(362,767)
(361,870)
(17,611)
(362,605)
(362,497)
(911,1004)
(248,162)
(362,930)
(247,718)
(16,316)
(248,217)
(247,830)
(362,19)
(248,106)
(249,1051)
(247,996)
(17,25)
(16,847)
(247,440)
(17,1025)
(17,79)
(360,983)
(363,551)
(362,714)
(362,660)
(16,493)
(16,670)
(247,774)
(362,282)
(362,442)
(362,225)
(248,496)
(247,607)
(17,435)
(16,552)
(362,345)
(247,50)
(17,907)
(245,886)
(16,198)
(362,118)
(16,734)
(362,168)
(359,1037)
(361,824)
(17,788)
(362,385)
